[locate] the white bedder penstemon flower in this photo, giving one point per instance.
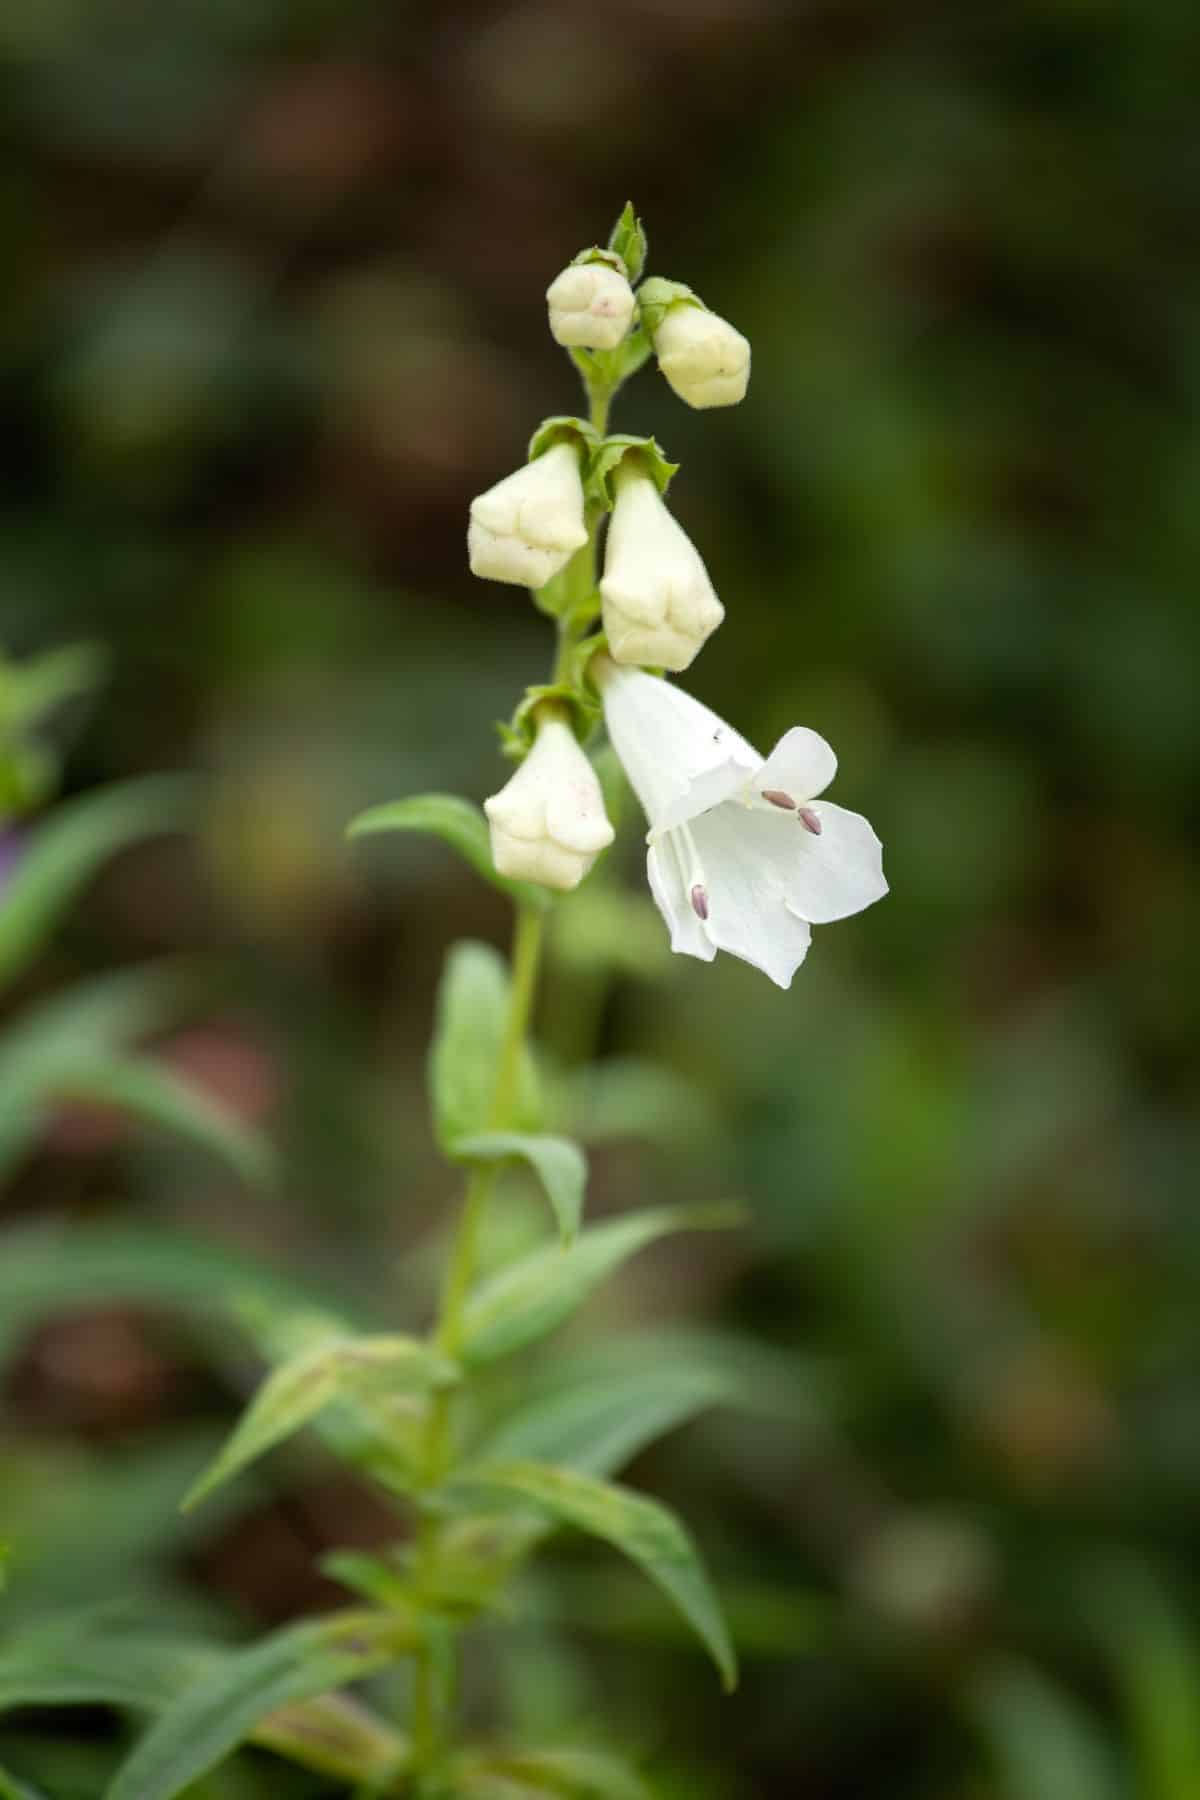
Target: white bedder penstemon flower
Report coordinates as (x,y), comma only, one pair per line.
(548,823)
(591,306)
(527,527)
(704,358)
(658,602)
(742,856)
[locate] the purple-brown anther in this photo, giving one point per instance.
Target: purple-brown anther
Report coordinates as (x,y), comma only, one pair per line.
(699,902)
(777,797)
(810,821)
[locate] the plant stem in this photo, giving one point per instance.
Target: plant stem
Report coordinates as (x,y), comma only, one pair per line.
(427,1709)
(430,1685)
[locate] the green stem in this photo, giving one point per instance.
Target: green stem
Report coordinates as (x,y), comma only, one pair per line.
(429,1690)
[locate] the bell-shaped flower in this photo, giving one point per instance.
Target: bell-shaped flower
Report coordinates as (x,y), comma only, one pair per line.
(743,855)
(548,822)
(527,527)
(591,307)
(703,357)
(658,603)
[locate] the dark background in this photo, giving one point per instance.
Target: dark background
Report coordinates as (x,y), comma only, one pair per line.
(272,315)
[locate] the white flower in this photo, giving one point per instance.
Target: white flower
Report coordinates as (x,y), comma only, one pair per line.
(705,360)
(530,524)
(591,307)
(548,823)
(743,857)
(659,605)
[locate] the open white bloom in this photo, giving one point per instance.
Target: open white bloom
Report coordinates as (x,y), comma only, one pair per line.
(591,307)
(658,603)
(530,524)
(743,856)
(703,357)
(548,823)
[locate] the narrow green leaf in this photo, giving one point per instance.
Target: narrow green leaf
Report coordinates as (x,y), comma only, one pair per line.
(1044,1742)
(643,1529)
(573,1774)
(293,1394)
(531,1296)
(12,1789)
(155,1094)
(213,1716)
(559,1165)
(93,1019)
(597,1426)
(44,1270)
(459,823)
(101,1662)
(472,1011)
(67,849)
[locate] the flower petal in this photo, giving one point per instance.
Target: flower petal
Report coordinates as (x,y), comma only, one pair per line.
(680,757)
(801,764)
(746,859)
(838,873)
(671,885)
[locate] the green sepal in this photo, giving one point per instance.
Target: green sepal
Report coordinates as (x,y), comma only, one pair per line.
(459,823)
(583,707)
(656,297)
(628,241)
(599,483)
(594,254)
(563,428)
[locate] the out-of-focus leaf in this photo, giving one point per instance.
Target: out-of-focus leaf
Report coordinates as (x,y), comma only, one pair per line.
(597,1425)
(627,1097)
(645,1530)
(94,1019)
(1158,1664)
(29,690)
(12,1789)
(46,1270)
(471,1014)
(569,1773)
(292,1395)
(70,1661)
(66,850)
(221,1710)
(1043,1741)
(559,1165)
(457,822)
(155,1094)
(531,1296)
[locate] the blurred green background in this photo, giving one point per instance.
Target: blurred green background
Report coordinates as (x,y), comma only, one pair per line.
(272,315)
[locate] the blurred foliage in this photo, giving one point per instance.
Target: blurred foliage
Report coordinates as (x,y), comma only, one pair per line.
(274,278)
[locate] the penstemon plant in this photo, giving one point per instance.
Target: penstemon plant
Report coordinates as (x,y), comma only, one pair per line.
(743,856)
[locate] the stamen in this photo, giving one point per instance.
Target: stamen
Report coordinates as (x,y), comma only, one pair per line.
(810,821)
(699,902)
(777,797)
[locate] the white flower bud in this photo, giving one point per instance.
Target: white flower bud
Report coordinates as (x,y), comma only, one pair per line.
(703,358)
(527,527)
(548,823)
(659,605)
(591,307)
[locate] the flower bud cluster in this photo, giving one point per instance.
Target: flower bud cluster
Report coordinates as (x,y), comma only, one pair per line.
(744,853)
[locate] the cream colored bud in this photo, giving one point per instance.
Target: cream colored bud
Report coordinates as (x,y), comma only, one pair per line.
(591,307)
(658,602)
(527,527)
(548,824)
(703,358)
